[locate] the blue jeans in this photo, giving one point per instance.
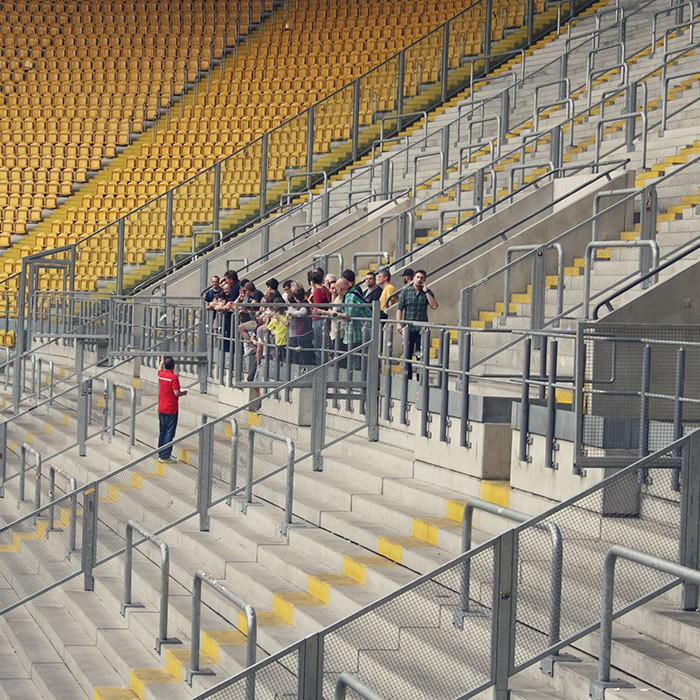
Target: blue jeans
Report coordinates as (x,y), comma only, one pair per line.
(168,424)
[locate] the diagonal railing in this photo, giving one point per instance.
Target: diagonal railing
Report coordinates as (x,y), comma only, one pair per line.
(506,629)
(393,75)
(212,469)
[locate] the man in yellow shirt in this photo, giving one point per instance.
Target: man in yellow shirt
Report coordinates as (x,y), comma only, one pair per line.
(384,281)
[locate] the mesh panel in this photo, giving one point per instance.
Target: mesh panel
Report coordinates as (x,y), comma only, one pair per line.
(410,647)
(274,679)
(623,511)
(639,390)
(34,557)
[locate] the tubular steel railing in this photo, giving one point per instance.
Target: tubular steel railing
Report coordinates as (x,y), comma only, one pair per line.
(73,511)
(127,601)
(197,490)
(289,487)
(507,628)
(201,577)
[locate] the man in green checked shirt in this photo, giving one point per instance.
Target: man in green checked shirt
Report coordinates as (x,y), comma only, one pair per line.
(414,301)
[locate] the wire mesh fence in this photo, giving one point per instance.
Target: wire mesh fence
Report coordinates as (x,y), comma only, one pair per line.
(429,639)
(637,389)
(211,464)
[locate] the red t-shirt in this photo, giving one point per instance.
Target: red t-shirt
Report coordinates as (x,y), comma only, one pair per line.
(168,384)
(320,295)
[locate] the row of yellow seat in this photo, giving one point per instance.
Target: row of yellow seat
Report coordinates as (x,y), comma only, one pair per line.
(196,139)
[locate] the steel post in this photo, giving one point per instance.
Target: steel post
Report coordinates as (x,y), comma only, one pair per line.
(464,426)
(678,412)
(84,400)
(168,253)
(425,417)
(504,606)
(644,391)
(89,544)
(204,474)
(216,211)
(444,383)
(550,436)
(263,173)
(690,518)
(319,390)
(373,353)
(524,424)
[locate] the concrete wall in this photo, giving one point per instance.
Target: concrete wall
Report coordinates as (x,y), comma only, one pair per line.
(578,209)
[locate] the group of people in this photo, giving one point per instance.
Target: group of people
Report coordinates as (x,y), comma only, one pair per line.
(328,312)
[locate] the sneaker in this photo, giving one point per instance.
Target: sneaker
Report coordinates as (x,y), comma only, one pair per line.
(167,460)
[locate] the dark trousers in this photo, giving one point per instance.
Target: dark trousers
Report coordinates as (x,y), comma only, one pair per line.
(411,339)
(168,424)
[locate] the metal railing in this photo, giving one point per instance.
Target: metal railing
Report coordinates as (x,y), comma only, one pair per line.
(289,486)
(208,451)
(201,577)
(506,630)
(127,602)
(481,295)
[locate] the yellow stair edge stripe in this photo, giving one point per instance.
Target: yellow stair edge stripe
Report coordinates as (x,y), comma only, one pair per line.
(319,585)
(139,678)
(283,603)
(355,566)
(392,547)
(427,529)
(213,640)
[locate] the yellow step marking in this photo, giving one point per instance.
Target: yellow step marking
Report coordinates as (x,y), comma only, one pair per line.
(253,418)
(355,566)
(427,529)
(455,510)
(212,640)
(176,658)
(138,477)
(264,618)
(139,678)
(565,396)
(520,298)
(283,604)
(478,324)
(392,547)
(497,492)
(113,492)
(184,455)
(319,585)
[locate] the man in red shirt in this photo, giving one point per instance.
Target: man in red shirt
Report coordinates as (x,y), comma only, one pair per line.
(169,393)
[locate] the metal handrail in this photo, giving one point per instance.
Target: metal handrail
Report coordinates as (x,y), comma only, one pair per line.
(73,486)
(685,573)
(289,489)
(639,280)
(557,567)
(132,527)
(346,680)
(24,449)
(114,386)
(194,669)
(664,104)
(588,258)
